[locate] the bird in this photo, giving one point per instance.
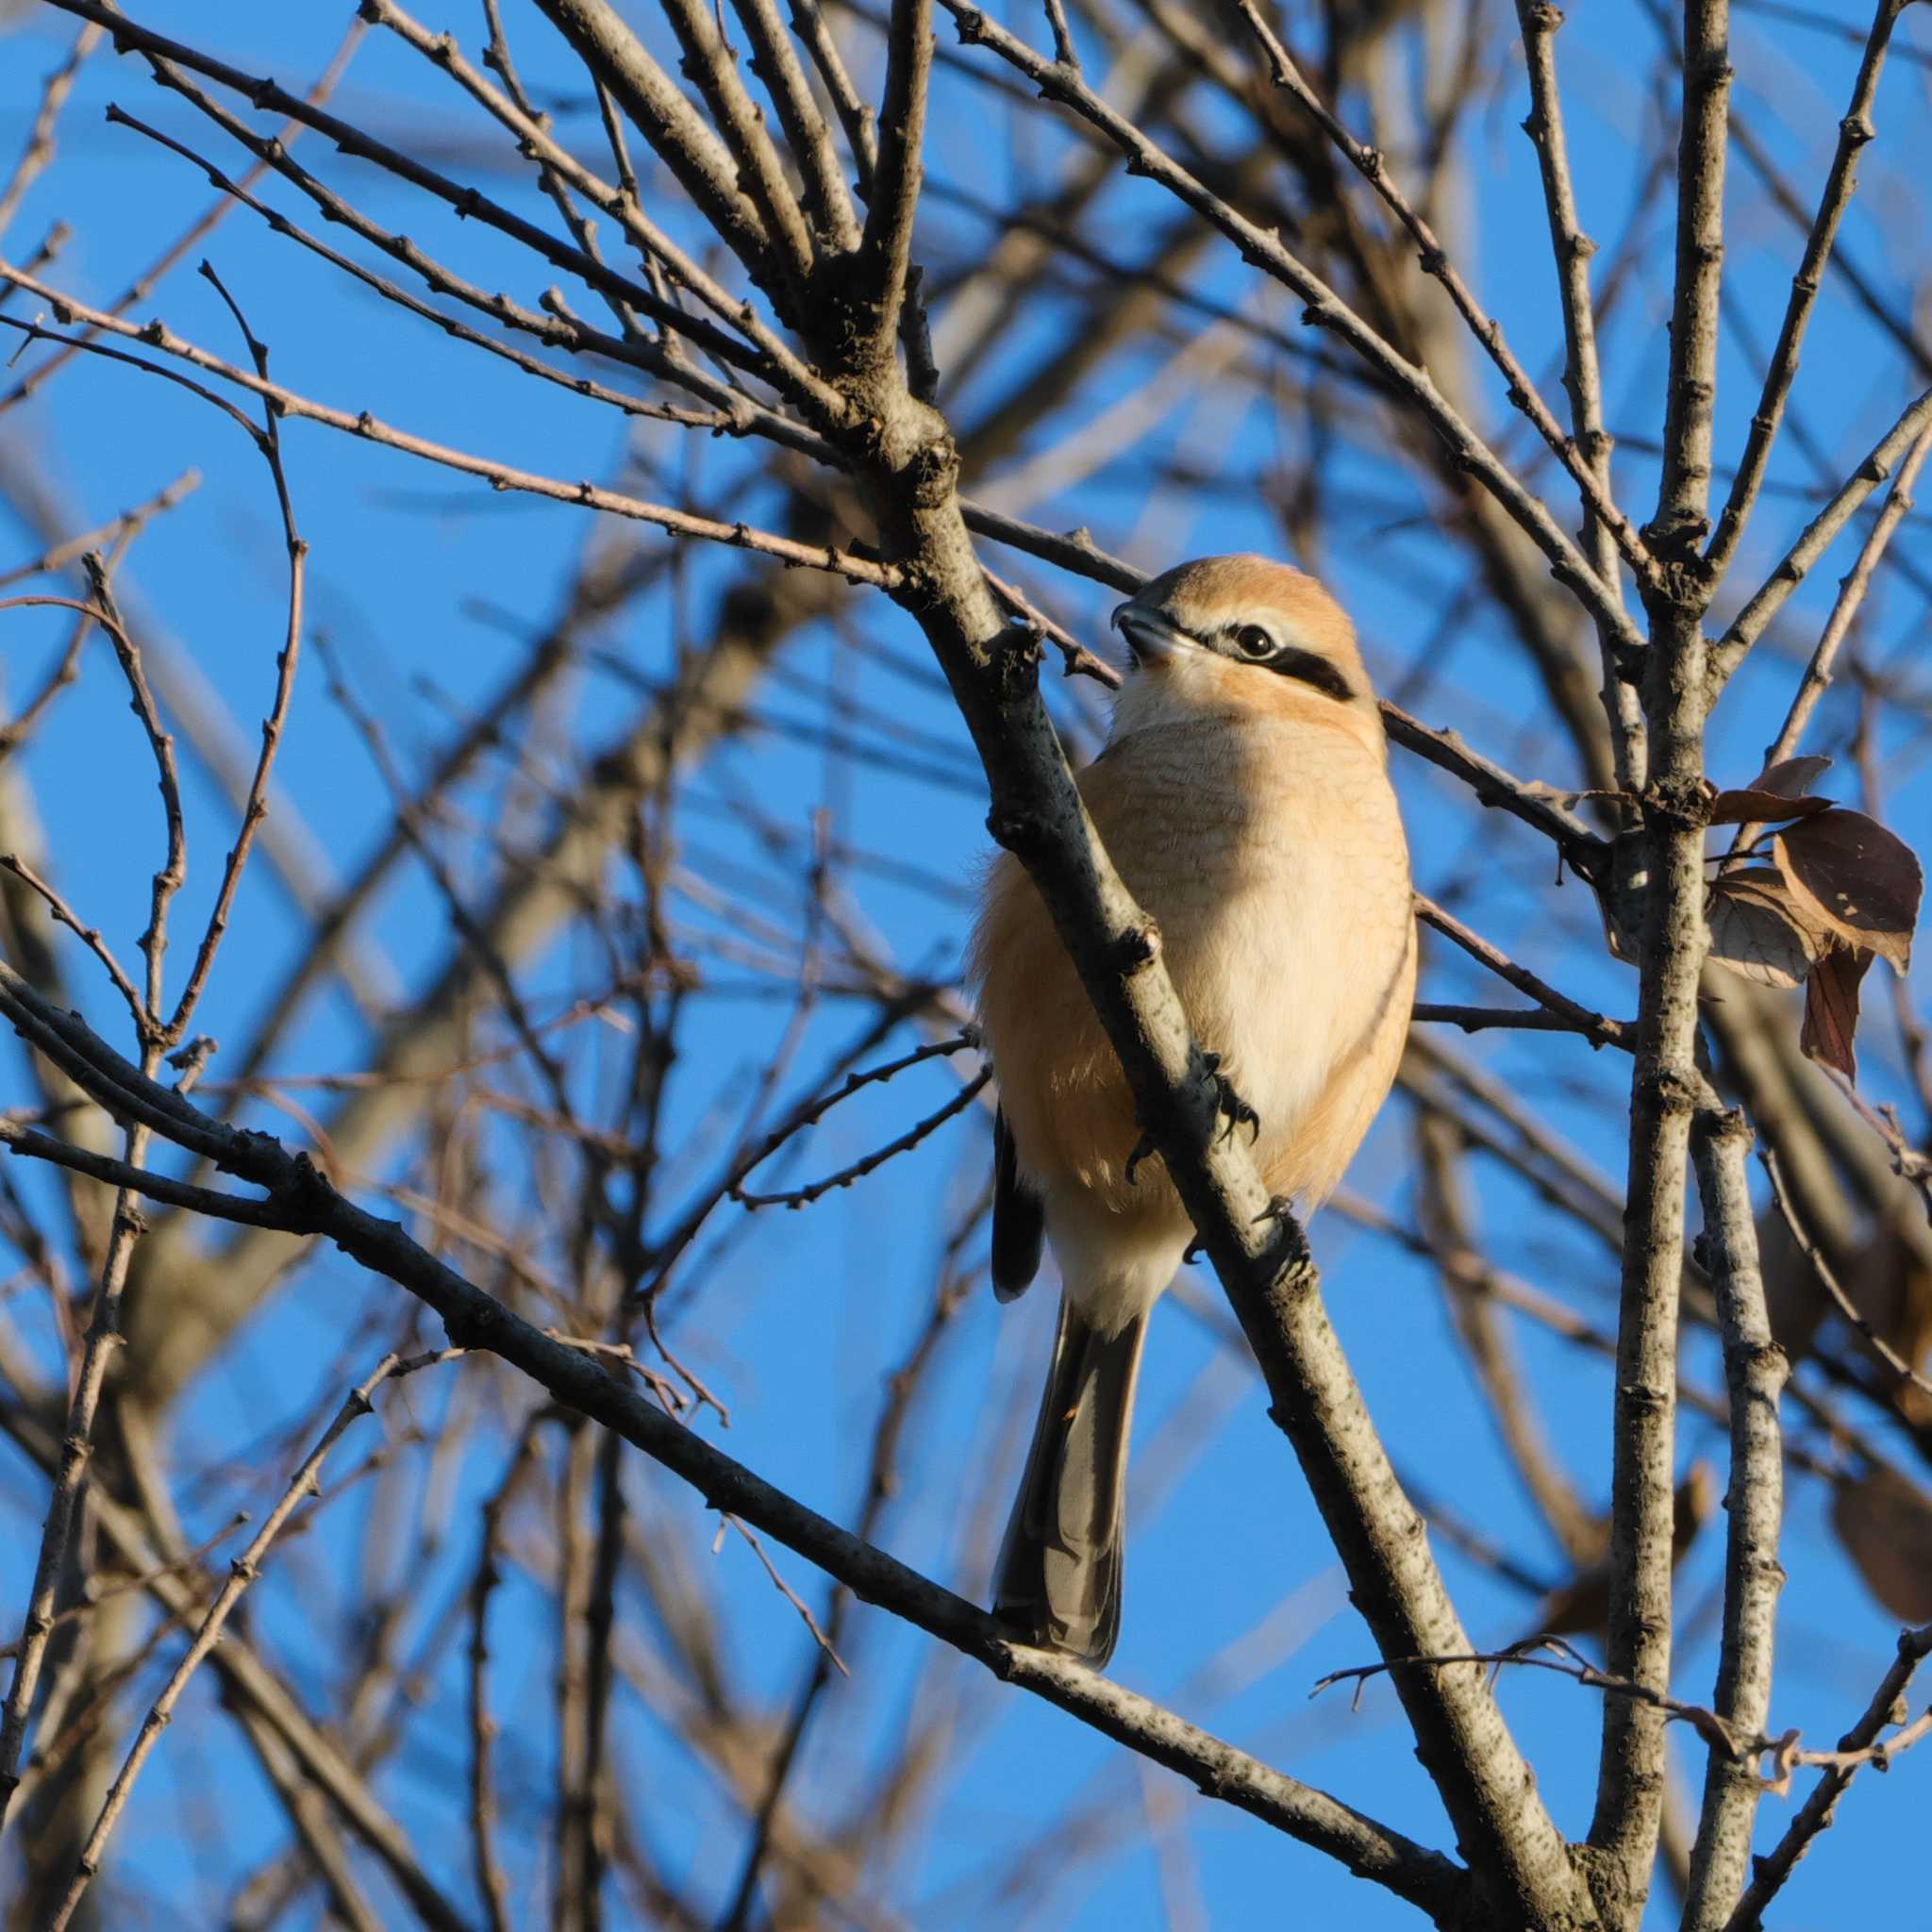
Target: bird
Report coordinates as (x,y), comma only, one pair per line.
(1244,797)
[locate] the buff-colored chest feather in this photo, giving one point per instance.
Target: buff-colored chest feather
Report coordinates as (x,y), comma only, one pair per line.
(1269,850)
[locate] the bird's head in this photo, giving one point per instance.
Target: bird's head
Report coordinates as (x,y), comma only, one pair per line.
(1230,634)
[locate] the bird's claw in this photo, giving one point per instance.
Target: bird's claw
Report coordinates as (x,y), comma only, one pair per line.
(1236,1114)
(1236,1110)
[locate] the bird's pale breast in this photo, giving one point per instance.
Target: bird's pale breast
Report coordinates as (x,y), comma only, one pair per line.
(1270,853)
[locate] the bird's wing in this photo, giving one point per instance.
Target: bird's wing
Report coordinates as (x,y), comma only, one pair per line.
(1019,1219)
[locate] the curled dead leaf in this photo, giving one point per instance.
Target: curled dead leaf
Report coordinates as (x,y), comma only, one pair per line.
(1792,777)
(1847,872)
(1831,1009)
(1756,929)
(1751,805)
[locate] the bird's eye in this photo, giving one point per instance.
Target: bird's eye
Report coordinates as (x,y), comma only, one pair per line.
(1251,641)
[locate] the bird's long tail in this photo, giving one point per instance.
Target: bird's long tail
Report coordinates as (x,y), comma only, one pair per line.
(1058,1583)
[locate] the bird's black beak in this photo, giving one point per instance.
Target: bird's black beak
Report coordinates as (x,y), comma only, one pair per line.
(1151,637)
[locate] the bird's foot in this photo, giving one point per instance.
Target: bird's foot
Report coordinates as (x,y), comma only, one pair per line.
(1236,1111)
(1294,1255)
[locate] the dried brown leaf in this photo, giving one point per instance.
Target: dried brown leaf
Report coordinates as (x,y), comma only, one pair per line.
(1885,1524)
(1756,930)
(1791,777)
(1831,1009)
(1752,805)
(1851,875)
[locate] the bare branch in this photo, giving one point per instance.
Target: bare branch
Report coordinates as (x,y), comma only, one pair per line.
(1827,1278)
(1588,469)
(256,808)
(1859,1746)
(1324,310)
(1684,493)
(1582,377)
(304,1202)
(1593,1026)
(1817,536)
(499,476)
(39,141)
(1755,1371)
(919,1131)
(1851,596)
(244,1571)
(1854,132)
(886,253)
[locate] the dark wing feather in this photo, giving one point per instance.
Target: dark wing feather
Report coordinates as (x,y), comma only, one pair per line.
(1019,1218)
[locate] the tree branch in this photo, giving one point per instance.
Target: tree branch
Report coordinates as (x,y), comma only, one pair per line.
(303,1203)
(1755,1371)
(1854,132)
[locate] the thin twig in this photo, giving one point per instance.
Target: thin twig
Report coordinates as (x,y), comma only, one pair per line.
(920,1130)
(1817,536)
(1598,1030)
(99,1592)
(1857,1748)
(1324,308)
(1745,1747)
(255,808)
(106,537)
(39,141)
(244,1571)
(1850,595)
(499,476)
(90,935)
(76,1453)
(1582,375)
(1854,132)
(1588,470)
(1828,1280)
(307,1201)
(197,231)
(785,1589)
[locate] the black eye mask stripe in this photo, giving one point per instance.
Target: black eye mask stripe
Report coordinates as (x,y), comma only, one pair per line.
(1308,667)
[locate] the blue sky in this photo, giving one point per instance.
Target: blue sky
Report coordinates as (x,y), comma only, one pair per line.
(799,1320)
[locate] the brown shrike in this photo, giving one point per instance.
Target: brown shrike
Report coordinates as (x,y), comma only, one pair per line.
(1244,798)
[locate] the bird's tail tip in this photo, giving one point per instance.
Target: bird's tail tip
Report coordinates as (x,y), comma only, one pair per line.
(1058,1582)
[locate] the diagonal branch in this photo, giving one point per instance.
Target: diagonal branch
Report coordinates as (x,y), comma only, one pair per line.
(775,61)
(1816,1812)
(1582,377)
(676,132)
(498,475)
(39,141)
(1844,608)
(304,1203)
(710,63)
(1324,308)
(1817,536)
(1587,467)
(242,1572)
